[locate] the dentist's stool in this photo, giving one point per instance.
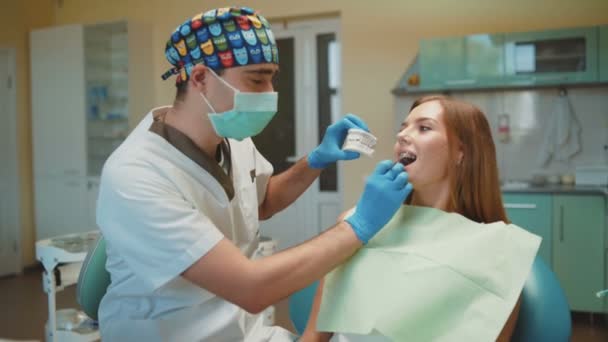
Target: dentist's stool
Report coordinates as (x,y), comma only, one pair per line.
(544,314)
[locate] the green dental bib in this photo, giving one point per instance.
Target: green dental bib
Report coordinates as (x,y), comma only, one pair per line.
(430,276)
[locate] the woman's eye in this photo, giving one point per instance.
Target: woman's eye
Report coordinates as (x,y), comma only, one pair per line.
(425,128)
(257,81)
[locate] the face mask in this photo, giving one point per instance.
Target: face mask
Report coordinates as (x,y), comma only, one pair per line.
(250,115)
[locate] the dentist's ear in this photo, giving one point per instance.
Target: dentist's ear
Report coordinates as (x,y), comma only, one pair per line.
(198,78)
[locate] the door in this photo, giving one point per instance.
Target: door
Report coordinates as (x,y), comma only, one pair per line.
(10,259)
(57,56)
(532,212)
(62,207)
(309,100)
(58,101)
(578,249)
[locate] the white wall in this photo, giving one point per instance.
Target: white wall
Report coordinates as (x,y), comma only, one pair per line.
(531,113)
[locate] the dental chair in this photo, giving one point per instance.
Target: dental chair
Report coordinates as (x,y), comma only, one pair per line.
(93,280)
(544,314)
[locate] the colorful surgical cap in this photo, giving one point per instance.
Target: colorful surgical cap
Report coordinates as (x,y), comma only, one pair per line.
(220,38)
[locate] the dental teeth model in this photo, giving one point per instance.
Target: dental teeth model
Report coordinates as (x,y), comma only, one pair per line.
(360,141)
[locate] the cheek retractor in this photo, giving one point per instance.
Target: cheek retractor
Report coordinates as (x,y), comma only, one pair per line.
(360,141)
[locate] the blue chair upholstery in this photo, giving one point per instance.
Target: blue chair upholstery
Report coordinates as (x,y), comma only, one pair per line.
(544,314)
(93,280)
(300,305)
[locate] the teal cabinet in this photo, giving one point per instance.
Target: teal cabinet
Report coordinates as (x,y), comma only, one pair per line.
(575,244)
(441,59)
(532,212)
(563,56)
(485,59)
(603,53)
(461,62)
(579,224)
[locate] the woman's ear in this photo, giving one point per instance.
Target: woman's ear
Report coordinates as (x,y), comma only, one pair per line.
(198,77)
(459,157)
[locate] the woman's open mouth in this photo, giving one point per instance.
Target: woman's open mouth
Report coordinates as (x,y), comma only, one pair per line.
(406,158)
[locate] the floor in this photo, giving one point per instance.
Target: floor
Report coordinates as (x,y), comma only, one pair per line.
(24,307)
(23,312)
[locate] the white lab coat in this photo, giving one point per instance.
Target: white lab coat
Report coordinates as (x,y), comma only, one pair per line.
(160,212)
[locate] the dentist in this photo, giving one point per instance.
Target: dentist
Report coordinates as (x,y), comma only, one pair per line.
(181,198)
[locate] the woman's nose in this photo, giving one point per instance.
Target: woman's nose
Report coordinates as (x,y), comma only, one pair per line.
(403,137)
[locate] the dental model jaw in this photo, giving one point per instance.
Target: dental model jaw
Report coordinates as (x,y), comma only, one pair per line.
(406,158)
(360,141)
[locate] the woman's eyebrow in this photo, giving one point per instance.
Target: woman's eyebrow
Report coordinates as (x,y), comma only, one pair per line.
(418,120)
(426,119)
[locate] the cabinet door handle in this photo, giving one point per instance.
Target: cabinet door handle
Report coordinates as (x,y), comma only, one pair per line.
(520,206)
(561,223)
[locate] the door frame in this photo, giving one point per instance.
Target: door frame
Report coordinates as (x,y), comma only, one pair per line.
(306,121)
(15,179)
(309,140)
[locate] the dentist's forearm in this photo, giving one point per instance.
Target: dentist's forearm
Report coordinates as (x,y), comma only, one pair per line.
(281,274)
(256,284)
(284,188)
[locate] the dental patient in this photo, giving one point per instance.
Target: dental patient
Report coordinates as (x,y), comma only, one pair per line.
(448,266)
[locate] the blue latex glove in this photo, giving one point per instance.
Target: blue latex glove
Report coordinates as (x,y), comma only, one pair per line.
(385,191)
(330,149)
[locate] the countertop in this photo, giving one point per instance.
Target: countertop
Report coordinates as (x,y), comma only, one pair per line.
(555,188)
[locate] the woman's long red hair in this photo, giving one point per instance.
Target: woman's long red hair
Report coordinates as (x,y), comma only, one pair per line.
(474,185)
